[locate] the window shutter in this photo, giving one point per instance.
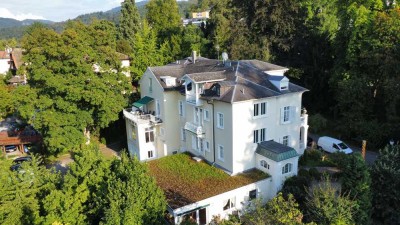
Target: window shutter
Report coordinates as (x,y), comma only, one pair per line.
(292,114)
(282,114)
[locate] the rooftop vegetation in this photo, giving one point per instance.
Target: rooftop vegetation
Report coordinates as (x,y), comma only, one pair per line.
(186,181)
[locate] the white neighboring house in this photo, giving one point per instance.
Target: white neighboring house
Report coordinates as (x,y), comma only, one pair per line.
(235,115)
(5,61)
(125,64)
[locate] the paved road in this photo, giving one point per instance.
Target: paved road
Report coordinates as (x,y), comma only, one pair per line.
(370,156)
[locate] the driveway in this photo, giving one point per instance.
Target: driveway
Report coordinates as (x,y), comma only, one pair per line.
(370,156)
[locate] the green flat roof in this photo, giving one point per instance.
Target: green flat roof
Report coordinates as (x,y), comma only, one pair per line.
(275,151)
(143,101)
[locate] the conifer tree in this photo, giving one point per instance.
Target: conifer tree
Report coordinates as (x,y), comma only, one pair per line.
(129,22)
(385,176)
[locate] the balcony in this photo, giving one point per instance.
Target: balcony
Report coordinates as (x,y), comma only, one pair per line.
(194,100)
(140,117)
(198,130)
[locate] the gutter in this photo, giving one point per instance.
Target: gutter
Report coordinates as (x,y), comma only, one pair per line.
(211,102)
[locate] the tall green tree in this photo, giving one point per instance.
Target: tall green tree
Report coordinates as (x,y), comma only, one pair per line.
(75,200)
(6,100)
(326,207)
(277,211)
(356,182)
(132,195)
(77,80)
(145,52)
(129,22)
(22,191)
(163,16)
(385,176)
(369,72)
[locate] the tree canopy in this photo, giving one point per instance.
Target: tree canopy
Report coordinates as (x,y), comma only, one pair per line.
(129,22)
(75,82)
(385,176)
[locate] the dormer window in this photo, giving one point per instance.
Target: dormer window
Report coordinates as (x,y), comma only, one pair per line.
(216,88)
(189,86)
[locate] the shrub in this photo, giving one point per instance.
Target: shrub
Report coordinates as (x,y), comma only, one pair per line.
(304,173)
(297,186)
(338,159)
(310,157)
(314,173)
(317,123)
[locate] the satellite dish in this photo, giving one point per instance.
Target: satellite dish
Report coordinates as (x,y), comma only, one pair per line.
(225,56)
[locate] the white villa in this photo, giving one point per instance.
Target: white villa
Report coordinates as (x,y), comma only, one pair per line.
(5,61)
(235,115)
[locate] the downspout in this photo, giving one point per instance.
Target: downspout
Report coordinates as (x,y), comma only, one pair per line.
(213,128)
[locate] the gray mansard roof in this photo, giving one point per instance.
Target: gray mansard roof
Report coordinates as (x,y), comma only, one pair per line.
(275,151)
(242,80)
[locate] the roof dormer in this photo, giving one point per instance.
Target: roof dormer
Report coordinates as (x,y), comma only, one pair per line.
(168,80)
(280,82)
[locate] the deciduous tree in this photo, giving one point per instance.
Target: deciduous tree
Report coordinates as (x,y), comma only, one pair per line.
(77,80)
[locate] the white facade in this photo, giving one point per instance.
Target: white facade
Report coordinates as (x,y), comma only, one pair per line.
(223,133)
(4,65)
(239,200)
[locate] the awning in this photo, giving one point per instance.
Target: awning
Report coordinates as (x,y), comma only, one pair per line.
(143,101)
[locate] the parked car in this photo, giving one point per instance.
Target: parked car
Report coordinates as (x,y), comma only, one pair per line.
(333,145)
(11,148)
(18,162)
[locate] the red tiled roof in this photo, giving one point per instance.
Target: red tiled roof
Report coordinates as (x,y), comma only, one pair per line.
(4,55)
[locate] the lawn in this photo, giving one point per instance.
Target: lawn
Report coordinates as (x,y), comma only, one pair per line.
(186,181)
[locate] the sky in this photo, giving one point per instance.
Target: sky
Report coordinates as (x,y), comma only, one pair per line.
(55,10)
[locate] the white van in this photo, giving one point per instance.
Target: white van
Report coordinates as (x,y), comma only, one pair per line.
(333,145)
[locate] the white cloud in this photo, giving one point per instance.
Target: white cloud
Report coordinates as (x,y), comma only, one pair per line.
(5,13)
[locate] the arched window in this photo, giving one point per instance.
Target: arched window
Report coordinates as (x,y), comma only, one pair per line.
(287,168)
(264,164)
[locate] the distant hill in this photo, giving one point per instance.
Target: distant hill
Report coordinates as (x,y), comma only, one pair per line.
(7,22)
(10,28)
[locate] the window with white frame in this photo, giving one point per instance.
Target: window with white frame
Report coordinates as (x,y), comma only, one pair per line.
(286,114)
(181,110)
(200,145)
(259,135)
(229,204)
(206,115)
(150,154)
(149,134)
(197,115)
(264,164)
(206,145)
(220,120)
(183,134)
(287,168)
(285,140)
(252,194)
(221,152)
(260,109)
